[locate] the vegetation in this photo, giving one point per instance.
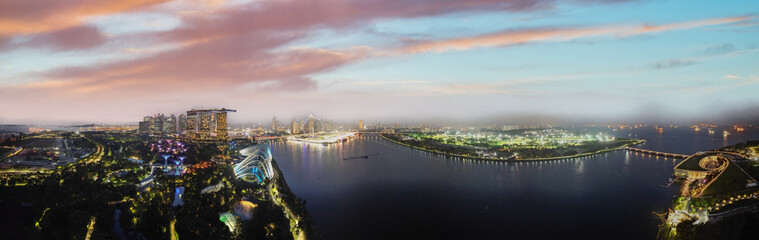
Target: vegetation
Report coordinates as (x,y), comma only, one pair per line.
(519,147)
(63,203)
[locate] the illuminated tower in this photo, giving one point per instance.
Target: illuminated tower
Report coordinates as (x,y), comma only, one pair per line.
(294,127)
(220,126)
(208,124)
(360,125)
(204,129)
(190,125)
(274,124)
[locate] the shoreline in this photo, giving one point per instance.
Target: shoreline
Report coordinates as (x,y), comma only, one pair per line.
(301,224)
(636,142)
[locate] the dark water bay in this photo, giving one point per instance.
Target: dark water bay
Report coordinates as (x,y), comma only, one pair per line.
(406,193)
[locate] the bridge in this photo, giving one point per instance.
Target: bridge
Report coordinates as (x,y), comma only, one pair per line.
(656,153)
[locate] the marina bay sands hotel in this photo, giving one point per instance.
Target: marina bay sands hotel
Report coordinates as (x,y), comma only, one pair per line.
(207,124)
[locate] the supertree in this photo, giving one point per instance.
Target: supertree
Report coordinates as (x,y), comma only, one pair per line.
(170,150)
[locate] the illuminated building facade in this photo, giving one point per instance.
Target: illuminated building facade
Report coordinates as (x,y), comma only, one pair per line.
(360,125)
(207,124)
(294,127)
(256,166)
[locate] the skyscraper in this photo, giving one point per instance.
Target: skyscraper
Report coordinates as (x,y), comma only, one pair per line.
(294,127)
(156,123)
(192,119)
(181,123)
(207,124)
(170,124)
(360,125)
(274,124)
(145,125)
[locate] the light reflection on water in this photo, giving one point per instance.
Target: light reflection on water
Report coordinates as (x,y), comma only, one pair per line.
(407,193)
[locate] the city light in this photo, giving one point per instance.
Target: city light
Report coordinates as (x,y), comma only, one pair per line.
(377,119)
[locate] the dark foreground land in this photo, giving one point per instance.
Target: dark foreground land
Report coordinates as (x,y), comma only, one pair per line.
(97,197)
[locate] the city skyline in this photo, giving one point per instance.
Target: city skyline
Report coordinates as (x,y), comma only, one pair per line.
(379,119)
(451,61)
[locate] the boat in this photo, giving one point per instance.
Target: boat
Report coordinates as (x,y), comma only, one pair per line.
(364,156)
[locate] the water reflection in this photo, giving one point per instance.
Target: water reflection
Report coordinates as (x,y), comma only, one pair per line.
(407,193)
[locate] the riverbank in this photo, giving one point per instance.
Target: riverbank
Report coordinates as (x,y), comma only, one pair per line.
(633,143)
(301,225)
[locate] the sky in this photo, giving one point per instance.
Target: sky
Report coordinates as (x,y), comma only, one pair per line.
(594,61)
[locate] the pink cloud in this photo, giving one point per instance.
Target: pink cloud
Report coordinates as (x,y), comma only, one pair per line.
(216,51)
(213,65)
(28,17)
(522,36)
(77,37)
(289,15)
(232,47)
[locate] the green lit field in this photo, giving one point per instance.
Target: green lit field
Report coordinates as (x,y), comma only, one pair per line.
(543,144)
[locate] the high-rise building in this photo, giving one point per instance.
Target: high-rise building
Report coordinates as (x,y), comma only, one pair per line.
(294,127)
(192,119)
(144,126)
(157,123)
(181,123)
(170,124)
(274,124)
(360,125)
(207,124)
(310,124)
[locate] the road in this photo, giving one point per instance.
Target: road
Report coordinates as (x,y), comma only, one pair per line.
(297,232)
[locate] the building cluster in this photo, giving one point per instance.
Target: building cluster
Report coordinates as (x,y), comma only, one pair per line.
(207,124)
(196,125)
(162,124)
(211,125)
(310,125)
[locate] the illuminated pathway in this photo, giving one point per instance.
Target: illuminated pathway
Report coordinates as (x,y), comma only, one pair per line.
(663,154)
(298,233)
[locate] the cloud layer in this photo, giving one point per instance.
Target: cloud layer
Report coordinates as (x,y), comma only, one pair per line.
(227,49)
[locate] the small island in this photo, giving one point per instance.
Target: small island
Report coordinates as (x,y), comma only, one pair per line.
(514,145)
